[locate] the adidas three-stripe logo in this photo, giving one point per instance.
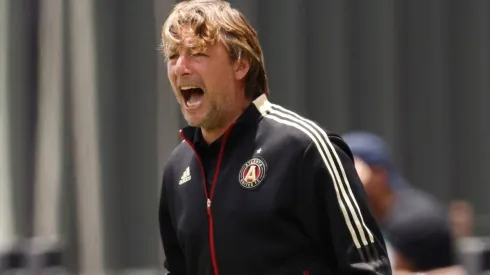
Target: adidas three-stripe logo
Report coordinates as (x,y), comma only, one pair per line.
(186,176)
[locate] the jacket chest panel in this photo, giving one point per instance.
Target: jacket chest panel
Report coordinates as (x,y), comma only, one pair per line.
(255,186)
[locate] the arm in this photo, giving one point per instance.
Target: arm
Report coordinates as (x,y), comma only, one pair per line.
(174,257)
(347,228)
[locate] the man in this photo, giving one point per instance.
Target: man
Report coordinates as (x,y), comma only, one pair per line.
(253,188)
(415,225)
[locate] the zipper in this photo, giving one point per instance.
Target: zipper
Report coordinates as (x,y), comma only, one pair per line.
(209,197)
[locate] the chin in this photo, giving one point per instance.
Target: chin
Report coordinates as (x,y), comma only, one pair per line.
(196,119)
(193,121)
(197,125)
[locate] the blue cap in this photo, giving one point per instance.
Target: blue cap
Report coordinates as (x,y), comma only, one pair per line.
(369,147)
(373,150)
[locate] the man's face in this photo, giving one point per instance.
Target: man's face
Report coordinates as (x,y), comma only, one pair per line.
(204,82)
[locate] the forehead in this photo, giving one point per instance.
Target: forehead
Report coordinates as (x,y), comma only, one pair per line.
(184,38)
(191,43)
(192,37)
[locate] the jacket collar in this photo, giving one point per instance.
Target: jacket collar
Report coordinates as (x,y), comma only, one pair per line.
(250,117)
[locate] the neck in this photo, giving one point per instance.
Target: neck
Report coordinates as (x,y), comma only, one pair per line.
(211,135)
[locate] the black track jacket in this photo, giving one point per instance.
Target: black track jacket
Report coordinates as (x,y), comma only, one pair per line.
(285,200)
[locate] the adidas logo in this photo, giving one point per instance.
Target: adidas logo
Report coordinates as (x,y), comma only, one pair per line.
(186,176)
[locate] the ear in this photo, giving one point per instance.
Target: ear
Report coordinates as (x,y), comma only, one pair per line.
(241,67)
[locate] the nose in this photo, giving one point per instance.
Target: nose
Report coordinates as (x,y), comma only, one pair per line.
(182,65)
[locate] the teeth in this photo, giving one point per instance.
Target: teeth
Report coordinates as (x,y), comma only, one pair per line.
(190,104)
(188,87)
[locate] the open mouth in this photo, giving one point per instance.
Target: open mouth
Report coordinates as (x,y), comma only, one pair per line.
(192,95)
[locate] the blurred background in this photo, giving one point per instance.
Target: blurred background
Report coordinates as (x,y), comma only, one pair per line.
(87,117)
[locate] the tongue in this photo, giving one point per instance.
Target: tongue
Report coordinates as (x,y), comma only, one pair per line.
(194,99)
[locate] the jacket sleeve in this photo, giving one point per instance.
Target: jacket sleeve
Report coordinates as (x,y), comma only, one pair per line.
(335,211)
(174,257)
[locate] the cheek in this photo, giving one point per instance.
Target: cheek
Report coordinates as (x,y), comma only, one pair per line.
(171,72)
(219,83)
(172,79)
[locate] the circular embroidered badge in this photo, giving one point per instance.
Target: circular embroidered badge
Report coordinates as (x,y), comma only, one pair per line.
(252,173)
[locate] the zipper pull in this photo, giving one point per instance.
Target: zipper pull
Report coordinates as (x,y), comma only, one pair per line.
(208,203)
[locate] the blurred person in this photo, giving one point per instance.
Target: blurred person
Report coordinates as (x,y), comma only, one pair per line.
(462,224)
(461,214)
(253,188)
(415,225)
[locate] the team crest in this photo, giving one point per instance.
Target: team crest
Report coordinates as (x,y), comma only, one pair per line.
(252,173)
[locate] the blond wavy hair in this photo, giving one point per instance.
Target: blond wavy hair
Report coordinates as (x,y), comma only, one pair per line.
(213,21)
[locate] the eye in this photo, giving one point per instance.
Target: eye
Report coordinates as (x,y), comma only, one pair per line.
(173,56)
(199,54)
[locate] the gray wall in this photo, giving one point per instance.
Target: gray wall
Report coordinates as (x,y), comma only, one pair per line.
(88,74)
